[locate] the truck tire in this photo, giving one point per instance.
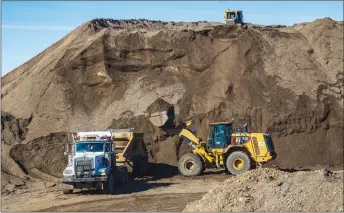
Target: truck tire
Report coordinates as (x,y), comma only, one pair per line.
(136,167)
(238,162)
(144,165)
(125,173)
(66,189)
(109,185)
(190,164)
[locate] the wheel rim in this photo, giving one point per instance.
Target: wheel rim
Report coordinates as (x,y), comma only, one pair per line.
(189,165)
(238,164)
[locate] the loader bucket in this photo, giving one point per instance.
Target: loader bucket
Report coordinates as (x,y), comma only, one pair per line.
(158,118)
(162,118)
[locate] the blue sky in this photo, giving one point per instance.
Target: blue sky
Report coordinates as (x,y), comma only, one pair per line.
(30,27)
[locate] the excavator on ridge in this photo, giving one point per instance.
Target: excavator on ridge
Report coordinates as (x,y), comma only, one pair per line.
(236,151)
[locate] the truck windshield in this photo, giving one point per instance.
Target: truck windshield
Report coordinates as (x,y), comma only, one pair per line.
(89,147)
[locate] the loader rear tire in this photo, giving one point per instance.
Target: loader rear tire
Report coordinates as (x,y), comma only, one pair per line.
(190,164)
(238,162)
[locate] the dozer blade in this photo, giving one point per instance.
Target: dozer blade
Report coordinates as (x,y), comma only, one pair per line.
(158,118)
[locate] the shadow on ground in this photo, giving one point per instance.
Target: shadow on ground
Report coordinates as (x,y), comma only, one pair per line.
(133,186)
(161,171)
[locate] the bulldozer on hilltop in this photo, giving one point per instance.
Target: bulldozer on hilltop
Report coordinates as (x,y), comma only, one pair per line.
(236,151)
(235,17)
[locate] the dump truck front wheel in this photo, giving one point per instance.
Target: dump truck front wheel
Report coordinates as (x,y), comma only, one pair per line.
(190,164)
(109,185)
(238,162)
(66,189)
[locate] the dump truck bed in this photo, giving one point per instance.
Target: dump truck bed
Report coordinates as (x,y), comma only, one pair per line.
(129,145)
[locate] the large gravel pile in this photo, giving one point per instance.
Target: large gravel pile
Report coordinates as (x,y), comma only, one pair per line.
(273,190)
(287,81)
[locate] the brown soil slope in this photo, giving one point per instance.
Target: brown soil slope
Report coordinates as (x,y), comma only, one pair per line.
(106,73)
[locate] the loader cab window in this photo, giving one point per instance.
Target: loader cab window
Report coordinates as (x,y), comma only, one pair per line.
(220,136)
(231,15)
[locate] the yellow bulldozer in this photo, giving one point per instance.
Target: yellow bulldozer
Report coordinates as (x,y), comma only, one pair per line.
(233,17)
(236,151)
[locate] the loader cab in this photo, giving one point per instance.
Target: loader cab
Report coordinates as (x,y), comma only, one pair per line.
(219,135)
(233,16)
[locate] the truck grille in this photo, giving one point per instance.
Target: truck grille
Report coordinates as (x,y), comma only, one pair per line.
(84,167)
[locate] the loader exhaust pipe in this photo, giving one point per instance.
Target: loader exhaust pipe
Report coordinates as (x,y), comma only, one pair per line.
(245,127)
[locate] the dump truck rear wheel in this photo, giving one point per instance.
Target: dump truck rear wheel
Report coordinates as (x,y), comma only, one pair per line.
(144,165)
(137,167)
(238,162)
(190,164)
(125,175)
(66,189)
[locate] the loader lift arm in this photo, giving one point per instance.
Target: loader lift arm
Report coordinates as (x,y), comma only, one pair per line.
(192,140)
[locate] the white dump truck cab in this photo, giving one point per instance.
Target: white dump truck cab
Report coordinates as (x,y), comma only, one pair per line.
(92,163)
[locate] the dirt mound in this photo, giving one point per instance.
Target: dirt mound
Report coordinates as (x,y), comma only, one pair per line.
(285,81)
(13,131)
(273,191)
(144,24)
(50,148)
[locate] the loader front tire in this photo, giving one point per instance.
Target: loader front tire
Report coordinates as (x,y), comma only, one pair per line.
(238,162)
(190,164)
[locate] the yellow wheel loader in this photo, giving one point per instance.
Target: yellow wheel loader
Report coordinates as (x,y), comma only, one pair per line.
(233,17)
(236,151)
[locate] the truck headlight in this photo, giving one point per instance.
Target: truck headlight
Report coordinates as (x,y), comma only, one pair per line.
(68,171)
(102,170)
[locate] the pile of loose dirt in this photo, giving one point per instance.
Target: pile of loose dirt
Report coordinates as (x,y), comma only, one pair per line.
(50,148)
(144,24)
(273,191)
(287,81)
(13,131)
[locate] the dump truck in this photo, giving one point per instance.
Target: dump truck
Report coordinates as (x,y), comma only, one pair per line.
(131,150)
(235,17)
(235,151)
(92,163)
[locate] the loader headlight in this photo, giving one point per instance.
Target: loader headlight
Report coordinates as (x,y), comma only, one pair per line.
(102,170)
